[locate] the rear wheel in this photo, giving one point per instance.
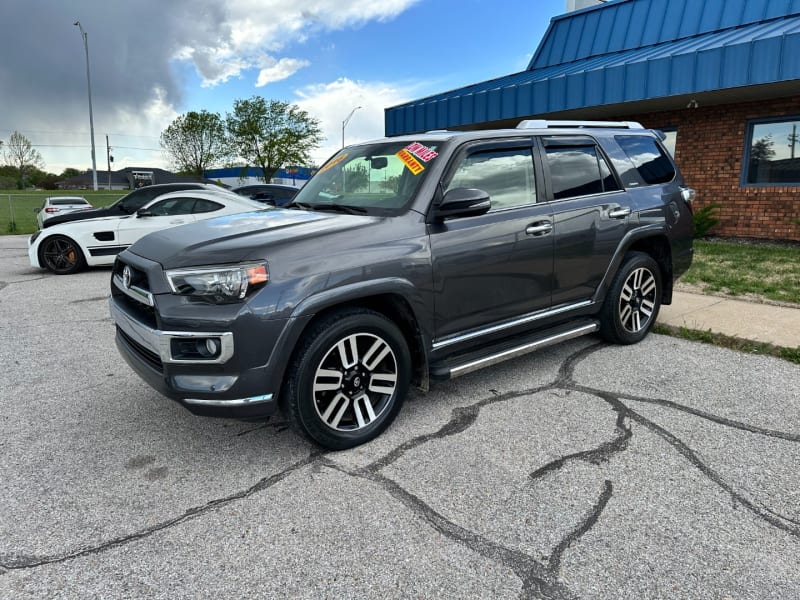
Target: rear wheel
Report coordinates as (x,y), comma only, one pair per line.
(61,255)
(348,379)
(632,304)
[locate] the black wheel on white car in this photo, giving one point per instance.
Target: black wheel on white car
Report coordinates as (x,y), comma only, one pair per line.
(632,304)
(347,379)
(61,255)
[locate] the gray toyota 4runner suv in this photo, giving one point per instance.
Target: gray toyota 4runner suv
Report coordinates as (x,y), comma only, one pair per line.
(406,260)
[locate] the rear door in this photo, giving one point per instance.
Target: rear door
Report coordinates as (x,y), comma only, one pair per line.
(591,214)
(496,266)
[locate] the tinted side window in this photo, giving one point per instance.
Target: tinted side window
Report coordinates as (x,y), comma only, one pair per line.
(653,165)
(173,206)
(204,206)
(578,171)
(507,175)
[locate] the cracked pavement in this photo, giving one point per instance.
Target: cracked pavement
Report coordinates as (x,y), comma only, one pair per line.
(662,470)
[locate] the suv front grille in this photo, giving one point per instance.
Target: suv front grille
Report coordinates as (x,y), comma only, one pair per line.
(147,355)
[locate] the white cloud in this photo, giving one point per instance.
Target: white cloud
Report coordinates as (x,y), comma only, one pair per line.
(332,102)
(252,27)
(278,70)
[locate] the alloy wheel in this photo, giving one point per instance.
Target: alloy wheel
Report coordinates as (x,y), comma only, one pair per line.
(637,300)
(355,381)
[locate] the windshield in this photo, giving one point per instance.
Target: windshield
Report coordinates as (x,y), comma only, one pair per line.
(379,178)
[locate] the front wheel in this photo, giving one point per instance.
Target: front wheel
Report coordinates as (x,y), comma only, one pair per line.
(631,306)
(347,379)
(61,255)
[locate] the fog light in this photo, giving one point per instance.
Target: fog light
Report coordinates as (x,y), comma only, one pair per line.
(208,348)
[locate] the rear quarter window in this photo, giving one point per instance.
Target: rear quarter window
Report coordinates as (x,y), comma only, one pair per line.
(653,165)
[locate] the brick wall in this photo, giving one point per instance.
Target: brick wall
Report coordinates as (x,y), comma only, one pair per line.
(709,152)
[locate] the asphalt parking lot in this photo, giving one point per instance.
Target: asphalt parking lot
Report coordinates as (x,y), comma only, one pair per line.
(663,470)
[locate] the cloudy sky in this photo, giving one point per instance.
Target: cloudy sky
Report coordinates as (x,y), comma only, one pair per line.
(152,60)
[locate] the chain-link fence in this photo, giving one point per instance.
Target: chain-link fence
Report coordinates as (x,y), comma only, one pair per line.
(18,210)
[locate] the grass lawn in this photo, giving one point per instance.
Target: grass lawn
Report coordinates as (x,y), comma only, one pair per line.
(770,271)
(24,205)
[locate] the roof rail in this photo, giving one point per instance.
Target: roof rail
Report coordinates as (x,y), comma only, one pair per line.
(544,124)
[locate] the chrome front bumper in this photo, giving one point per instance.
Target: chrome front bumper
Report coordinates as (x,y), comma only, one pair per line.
(160,342)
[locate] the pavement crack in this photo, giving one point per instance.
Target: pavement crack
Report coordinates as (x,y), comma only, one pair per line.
(19,562)
(554,563)
(595,456)
(781,435)
(462,418)
(538,581)
(769,516)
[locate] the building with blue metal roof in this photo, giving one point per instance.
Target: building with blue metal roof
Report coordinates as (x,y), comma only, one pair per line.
(722,77)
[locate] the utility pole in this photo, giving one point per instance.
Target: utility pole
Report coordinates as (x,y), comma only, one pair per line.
(85,37)
(793,138)
(109,158)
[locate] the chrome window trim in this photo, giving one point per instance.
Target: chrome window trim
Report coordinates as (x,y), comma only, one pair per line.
(511,324)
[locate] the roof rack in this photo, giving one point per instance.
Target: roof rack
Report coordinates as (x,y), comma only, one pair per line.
(544,124)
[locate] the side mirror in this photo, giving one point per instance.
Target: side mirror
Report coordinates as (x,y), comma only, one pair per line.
(463,202)
(143,212)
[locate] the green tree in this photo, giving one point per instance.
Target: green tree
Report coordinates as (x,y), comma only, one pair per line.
(195,142)
(762,149)
(69,172)
(271,134)
(20,154)
(356,178)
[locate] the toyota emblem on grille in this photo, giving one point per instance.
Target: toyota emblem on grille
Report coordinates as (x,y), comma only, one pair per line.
(126,277)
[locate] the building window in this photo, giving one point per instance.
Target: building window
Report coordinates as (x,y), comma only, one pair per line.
(772,153)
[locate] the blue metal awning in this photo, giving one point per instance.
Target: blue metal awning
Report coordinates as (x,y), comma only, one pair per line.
(579,75)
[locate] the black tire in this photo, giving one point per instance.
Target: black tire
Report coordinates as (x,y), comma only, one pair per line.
(61,255)
(347,379)
(633,301)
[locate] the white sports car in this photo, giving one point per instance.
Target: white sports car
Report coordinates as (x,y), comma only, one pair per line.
(68,247)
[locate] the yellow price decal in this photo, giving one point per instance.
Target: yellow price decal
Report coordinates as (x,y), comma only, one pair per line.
(412,163)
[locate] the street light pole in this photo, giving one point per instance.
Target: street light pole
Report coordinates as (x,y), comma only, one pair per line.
(85,37)
(346,121)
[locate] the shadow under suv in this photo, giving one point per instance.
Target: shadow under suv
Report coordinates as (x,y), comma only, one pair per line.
(402,261)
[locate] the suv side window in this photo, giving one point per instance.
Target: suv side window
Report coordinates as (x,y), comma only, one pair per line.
(578,169)
(653,165)
(507,175)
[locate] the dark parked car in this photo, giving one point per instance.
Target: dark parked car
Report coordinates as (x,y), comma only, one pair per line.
(269,193)
(131,202)
(402,261)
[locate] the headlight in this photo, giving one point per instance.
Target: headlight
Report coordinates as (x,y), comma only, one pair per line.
(220,284)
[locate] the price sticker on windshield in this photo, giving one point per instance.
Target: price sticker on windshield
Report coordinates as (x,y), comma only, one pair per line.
(422,152)
(409,161)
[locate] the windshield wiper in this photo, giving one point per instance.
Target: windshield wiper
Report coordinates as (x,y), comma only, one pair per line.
(303,205)
(343,208)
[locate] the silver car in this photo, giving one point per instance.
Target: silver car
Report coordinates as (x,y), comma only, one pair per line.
(60,205)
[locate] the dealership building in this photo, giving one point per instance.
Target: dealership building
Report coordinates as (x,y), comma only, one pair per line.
(720,77)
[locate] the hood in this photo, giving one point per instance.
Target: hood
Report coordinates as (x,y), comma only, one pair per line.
(238,237)
(82,215)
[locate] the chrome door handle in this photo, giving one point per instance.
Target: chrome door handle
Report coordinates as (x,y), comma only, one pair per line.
(619,213)
(541,228)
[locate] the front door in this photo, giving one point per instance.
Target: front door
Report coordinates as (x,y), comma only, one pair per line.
(497,266)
